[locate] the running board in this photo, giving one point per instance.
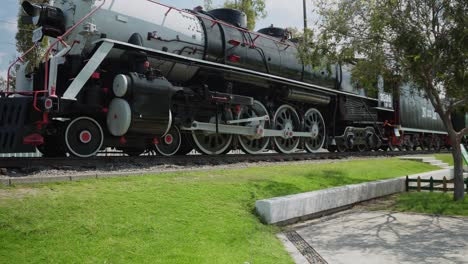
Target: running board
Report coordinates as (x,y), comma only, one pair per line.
(256,132)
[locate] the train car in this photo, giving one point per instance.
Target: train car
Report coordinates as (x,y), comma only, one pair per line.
(158,77)
(460,121)
(419,126)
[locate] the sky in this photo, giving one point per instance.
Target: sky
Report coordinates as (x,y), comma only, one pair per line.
(280,13)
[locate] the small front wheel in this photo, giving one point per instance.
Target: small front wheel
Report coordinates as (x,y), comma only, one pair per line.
(84,137)
(169,145)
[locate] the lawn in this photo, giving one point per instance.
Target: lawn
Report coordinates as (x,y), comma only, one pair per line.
(431,203)
(196,217)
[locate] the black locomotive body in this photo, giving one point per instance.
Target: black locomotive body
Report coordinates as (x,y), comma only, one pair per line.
(201,81)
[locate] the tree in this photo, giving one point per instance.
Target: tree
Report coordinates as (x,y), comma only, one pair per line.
(419,41)
(2,84)
(208,4)
(24,38)
(254,9)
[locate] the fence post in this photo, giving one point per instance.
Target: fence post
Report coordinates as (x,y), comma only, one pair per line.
(445,184)
(407,183)
(419,184)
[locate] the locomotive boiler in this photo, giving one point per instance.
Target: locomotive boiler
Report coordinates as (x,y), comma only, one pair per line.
(151,76)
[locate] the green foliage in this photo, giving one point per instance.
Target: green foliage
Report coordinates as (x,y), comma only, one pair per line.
(254,9)
(208,4)
(184,217)
(310,51)
(412,40)
(2,83)
(295,32)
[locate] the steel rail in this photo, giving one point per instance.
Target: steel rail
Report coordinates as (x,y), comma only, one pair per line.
(189,160)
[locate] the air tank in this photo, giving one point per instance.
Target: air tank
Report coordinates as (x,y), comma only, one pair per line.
(232,16)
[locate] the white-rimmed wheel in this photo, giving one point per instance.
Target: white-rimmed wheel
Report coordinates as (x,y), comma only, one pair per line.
(84,137)
(341,147)
(169,144)
(315,125)
(251,144)
(361,148)
(212,143)
(286,120)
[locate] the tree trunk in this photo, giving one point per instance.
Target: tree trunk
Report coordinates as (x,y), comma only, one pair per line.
(458,180)
(459,192)
(445,115)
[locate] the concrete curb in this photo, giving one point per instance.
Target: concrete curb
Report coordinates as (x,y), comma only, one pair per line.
(288,208)
(31,180)
(8,181)
(83,177)
(5,182)
(66,178)
(292,250)
(292,208)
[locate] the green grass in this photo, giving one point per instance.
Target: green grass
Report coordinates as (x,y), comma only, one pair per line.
(431,203)
(197,217)
(447,158)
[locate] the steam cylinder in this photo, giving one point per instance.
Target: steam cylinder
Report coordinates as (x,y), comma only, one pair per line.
(143,106)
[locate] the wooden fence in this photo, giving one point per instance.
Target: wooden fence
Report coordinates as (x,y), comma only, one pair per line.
(432,185)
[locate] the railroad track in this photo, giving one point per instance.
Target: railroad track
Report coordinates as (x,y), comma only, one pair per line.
(28,164)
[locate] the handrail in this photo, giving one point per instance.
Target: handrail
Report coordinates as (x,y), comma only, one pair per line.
(223,23)
(60,40)
(20,58)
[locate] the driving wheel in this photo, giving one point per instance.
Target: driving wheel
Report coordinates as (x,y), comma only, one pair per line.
(252,144)
(212,143)
(286,120)
(314,124)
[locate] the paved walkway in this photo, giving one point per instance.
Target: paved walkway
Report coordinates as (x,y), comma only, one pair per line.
(381,237)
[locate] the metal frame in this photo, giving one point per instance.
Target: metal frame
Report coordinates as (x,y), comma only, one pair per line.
(248,120)
(406,129)
(384,109)
(53,71)
(98,57)
(257,131)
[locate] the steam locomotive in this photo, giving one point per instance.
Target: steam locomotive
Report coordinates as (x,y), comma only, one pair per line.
(152,76)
